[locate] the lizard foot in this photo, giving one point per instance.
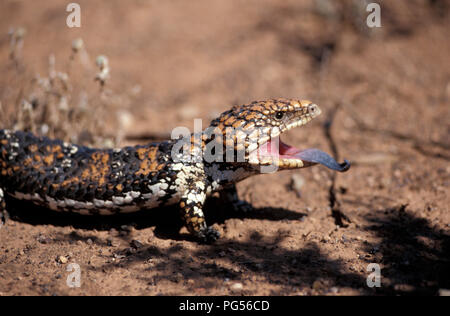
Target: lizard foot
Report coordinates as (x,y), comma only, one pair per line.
(208,235)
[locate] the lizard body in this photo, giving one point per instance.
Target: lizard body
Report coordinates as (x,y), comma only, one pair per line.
(238,144)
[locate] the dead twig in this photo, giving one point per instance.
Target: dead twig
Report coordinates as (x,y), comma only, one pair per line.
(336,211)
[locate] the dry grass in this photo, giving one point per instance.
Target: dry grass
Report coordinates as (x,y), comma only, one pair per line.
(71,101)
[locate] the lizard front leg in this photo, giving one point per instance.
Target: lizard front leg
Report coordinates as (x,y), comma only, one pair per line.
(191,205)
(3,213)
(230,196)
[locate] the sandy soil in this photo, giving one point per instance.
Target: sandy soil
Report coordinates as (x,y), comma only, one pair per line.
(384,94)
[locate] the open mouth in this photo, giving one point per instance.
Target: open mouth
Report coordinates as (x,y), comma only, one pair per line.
(290,157)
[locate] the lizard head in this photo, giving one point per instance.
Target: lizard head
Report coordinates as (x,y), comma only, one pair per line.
(253,131)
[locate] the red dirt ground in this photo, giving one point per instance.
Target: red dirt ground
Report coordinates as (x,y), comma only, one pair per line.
(384,95)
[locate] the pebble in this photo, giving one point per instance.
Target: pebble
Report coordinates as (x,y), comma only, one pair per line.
(118,256)
(334,290)
(62,259)
(127,228)
(43,239)
(136,244)
(237,287)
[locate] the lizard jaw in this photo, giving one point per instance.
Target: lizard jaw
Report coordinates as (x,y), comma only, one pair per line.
(274,151)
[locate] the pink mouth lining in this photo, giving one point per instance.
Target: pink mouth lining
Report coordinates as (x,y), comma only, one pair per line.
(285,151)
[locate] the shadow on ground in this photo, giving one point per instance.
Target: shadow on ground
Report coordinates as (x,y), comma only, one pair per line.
(415,255)
(166,220)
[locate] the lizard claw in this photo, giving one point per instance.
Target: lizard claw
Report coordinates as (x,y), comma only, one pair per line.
(208,235)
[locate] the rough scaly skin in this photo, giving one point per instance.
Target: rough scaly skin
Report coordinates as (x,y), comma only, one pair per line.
(71,178)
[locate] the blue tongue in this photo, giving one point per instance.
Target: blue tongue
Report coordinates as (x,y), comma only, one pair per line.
(318,156)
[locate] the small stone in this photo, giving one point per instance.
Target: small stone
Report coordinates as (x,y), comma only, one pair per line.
(136,244)
(126,228)
(118,256)
(334,290)
(237,287)
(77,45)
(89,241)
(43,239)
(62,259)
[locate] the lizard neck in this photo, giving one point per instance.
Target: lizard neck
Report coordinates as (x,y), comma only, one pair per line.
(223,166)
(220,175)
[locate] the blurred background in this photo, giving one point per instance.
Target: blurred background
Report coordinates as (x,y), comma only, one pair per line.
(136,69)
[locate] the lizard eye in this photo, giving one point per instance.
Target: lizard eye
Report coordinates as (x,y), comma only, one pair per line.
(279,115)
